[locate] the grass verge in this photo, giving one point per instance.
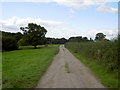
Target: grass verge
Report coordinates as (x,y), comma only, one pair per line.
(109,79)
(23,68)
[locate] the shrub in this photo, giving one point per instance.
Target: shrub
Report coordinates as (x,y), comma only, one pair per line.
(0,41)
(105,52)
(23,42)
(9,43)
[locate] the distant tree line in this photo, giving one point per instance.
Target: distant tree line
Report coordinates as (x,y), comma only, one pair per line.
(79,39)
(56,40)
(17,35)
(34,35)
(9,40)
(98,37)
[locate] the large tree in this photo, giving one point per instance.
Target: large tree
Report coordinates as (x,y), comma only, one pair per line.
(35,34)
(100,36)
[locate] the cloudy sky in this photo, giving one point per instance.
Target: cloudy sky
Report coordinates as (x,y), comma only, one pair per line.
(62,18)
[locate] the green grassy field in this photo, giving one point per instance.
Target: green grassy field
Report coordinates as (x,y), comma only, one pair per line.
(23,68)
(38,46)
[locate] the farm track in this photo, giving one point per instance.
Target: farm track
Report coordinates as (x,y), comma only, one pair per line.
(68,72)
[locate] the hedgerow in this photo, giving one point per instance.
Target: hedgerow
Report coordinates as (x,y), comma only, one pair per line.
(105,52)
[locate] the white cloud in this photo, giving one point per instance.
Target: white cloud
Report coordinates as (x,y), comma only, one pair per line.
(72,3)
(13,24)
(57,0)
(110,33)
(55,29)
(61,32)
(77,4)
(106,9)
(69,32)
(82,4)
(71,11)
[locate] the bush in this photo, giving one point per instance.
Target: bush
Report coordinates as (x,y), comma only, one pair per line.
(22,42)
(105,52)
(9,43)
(0,42)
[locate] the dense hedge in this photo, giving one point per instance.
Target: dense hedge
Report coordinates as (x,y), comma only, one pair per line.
(9,43)
(23,42)
(0,41)
(106,53)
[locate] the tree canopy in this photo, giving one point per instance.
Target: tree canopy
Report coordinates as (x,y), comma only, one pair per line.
(35,34)
(9,40)
(56,40)
(78,39)
(100,36)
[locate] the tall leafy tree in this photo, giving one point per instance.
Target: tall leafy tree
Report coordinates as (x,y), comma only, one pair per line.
(35,34)
(85,39)
(100,36)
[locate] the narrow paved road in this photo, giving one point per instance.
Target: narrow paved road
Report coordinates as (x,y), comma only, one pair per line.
(68,72)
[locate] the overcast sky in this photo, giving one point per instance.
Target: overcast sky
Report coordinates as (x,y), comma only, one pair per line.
(62,18)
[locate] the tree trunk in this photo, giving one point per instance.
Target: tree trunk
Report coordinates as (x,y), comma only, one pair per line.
(35,46)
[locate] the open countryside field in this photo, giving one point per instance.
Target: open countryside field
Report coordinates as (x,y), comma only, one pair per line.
(23,68)
(59,44)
